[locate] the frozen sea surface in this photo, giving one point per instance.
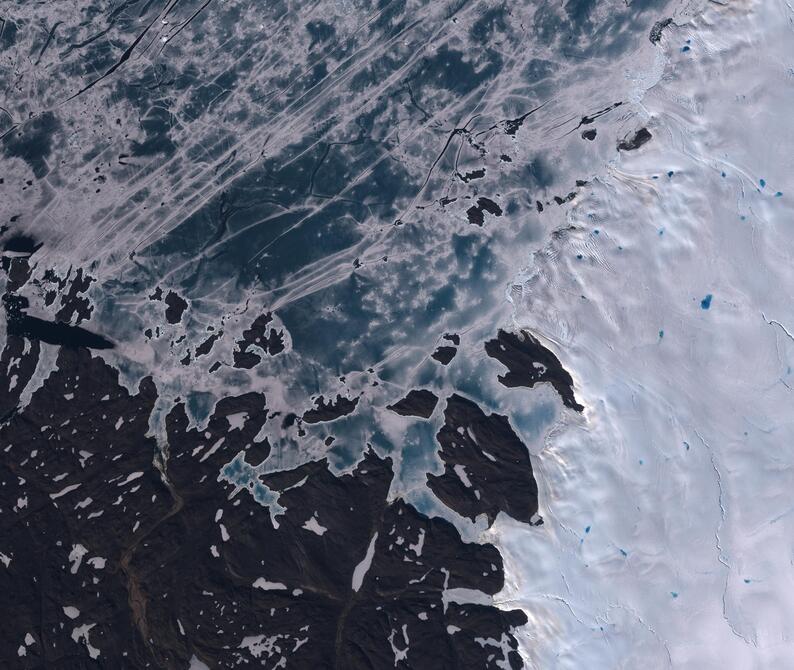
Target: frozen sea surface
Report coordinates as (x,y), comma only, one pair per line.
(264,265)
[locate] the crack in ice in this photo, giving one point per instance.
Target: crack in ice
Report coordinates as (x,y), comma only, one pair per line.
(721,556)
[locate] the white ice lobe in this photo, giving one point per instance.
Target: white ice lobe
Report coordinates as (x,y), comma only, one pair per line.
(265,585)
(668,505)
(76,557)
(313,525)
(362,568)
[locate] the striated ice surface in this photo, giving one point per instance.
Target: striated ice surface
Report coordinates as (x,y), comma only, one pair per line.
(668,505)
(374,193)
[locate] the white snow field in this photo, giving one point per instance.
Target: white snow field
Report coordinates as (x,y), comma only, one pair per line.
(669,506)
